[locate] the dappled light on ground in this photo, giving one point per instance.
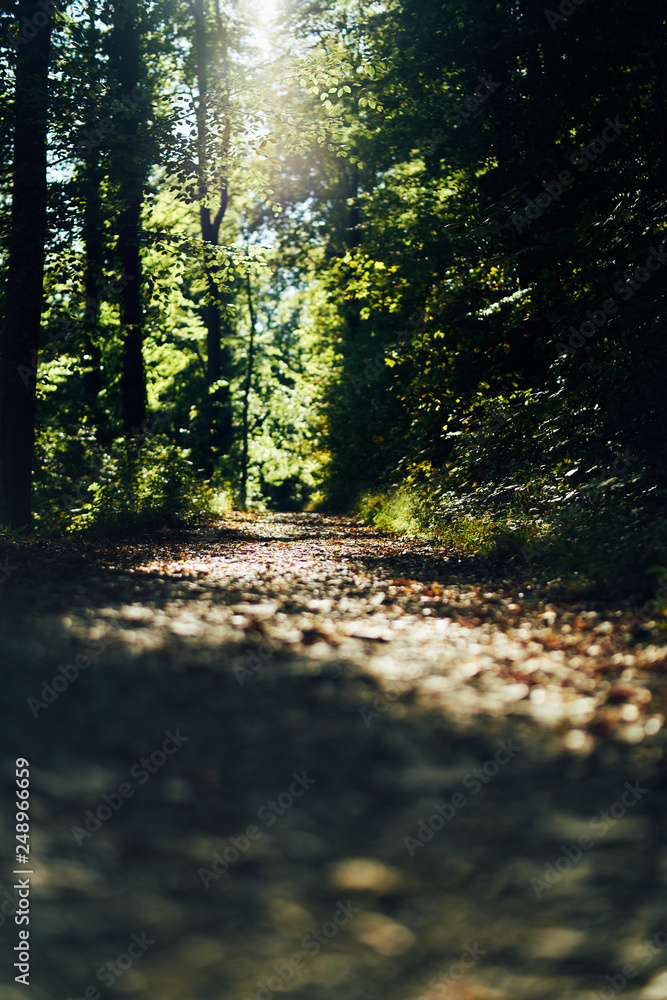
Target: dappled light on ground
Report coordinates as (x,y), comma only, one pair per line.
(353,766)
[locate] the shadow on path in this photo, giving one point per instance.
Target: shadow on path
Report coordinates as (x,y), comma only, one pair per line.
(282,819)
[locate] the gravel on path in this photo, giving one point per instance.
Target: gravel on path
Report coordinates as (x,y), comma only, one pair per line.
(289,753)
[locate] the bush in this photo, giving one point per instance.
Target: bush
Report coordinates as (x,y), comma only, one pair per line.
(135,486)
(602,535)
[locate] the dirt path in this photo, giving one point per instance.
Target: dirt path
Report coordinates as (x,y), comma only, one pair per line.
(286,753)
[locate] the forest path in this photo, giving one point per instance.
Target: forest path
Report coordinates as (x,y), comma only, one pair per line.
(358,752)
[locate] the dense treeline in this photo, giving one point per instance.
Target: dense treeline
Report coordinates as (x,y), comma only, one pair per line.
(402,257)
(135,388)
(503,293)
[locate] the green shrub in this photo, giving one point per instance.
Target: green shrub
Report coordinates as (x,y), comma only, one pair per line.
(600,536)
(134,486)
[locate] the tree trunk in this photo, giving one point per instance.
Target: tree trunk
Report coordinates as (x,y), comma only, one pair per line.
(134,378)
(93,238)
(217,406)
(130,175)
(92,177)
(19,337)
(246,397)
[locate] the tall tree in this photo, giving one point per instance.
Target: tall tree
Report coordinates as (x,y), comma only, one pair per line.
(94,241)
(129,173)
(245,431)
(211,51)
(19,336)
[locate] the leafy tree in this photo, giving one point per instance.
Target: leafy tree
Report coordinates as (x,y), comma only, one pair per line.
(129,170)
(19,335)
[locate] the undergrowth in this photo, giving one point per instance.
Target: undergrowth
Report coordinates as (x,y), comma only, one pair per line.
(130,487)
(596,537)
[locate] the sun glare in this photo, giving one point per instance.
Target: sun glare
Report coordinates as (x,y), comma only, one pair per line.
(266,9)
(264,15)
